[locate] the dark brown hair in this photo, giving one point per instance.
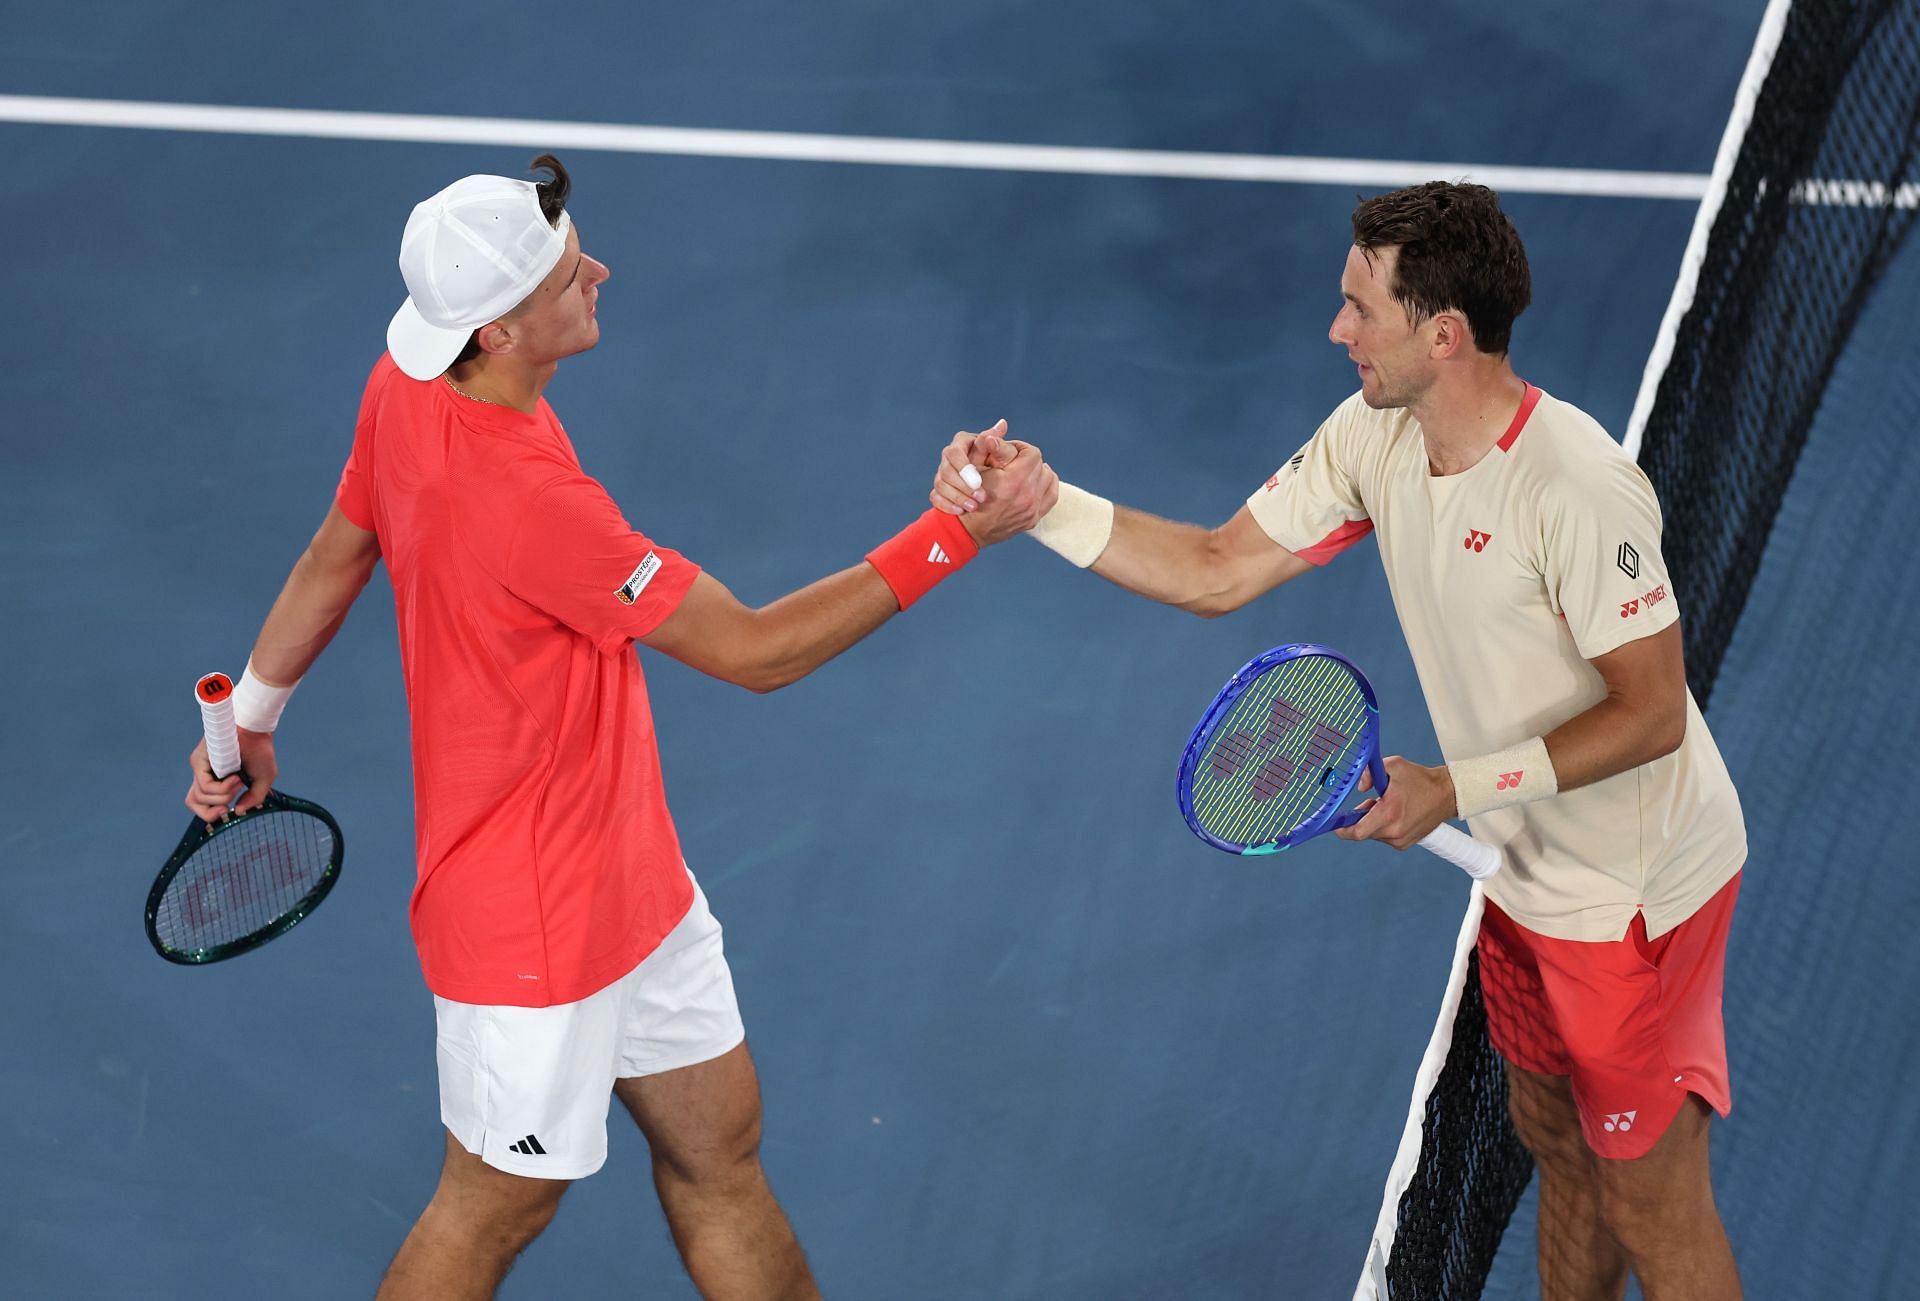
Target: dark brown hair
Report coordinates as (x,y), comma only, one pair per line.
(1458,252)
(553,201)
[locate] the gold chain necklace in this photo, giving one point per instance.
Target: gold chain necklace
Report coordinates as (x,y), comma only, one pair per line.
(471,397)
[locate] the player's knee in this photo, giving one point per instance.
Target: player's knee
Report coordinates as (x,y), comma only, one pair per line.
(727,1161)
(509,1213)
(1635,1210)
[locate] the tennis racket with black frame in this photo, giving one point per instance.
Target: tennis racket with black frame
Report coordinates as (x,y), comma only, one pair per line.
(232,885)
(1281,748)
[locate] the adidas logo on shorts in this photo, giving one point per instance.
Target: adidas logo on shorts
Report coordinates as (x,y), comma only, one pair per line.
(528,1146)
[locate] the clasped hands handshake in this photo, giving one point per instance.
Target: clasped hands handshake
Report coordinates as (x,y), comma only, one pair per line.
(1016,485)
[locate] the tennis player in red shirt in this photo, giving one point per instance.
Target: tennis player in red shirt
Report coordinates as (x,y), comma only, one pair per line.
(570,952)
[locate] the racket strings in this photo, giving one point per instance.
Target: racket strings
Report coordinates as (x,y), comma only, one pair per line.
(1302,691)
(1267,765)
(245,879)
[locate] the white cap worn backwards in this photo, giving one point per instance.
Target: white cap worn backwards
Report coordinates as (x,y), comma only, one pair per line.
(470,254)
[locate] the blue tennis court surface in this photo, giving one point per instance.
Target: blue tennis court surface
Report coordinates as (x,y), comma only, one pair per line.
(1020,1034)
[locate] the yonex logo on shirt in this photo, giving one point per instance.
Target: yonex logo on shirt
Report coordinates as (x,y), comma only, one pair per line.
(1620,1121)
(1299,459)
(1477,541)
(1630,608)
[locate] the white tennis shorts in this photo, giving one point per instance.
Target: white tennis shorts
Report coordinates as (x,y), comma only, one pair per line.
(528,1089)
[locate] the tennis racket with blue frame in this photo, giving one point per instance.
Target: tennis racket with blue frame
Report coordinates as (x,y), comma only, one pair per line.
(1281,748)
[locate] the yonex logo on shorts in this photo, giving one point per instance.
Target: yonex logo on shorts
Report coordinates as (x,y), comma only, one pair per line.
(629,591)
(528,1146)
(1621,1121)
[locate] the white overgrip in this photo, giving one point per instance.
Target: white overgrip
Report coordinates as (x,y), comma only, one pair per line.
(215,694)
(1477,860)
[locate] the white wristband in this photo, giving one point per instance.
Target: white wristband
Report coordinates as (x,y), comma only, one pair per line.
(256,704)
(1077,527)
(1516,775)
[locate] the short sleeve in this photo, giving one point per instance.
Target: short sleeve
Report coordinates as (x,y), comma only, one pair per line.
(574,555)
(354,496)
(1601,559)
(1311,505)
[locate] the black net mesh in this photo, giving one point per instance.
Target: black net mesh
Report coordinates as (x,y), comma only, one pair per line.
(1822,192)
(1472,1169)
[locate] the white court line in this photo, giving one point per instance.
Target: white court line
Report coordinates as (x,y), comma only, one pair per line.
(798,147)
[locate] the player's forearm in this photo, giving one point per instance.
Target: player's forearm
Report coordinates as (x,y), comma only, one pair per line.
(803,630)
(308,612)
(1166,561)
(1612,737)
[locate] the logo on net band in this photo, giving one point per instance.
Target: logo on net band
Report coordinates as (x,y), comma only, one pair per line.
(1477,541)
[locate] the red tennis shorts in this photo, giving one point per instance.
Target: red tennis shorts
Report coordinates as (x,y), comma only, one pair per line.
(1635,1023)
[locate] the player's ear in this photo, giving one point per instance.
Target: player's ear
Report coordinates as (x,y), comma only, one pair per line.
(496,338)
(1451,336)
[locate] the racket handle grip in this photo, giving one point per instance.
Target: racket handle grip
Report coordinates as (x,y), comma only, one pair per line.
(215,694)
(1477,860)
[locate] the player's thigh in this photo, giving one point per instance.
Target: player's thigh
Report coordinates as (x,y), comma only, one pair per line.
(702,1120)
(1546,1116)
(684,1072)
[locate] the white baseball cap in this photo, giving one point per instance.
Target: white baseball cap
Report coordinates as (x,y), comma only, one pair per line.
(470,254)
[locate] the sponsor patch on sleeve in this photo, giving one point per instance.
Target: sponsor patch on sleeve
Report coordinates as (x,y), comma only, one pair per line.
(637,581)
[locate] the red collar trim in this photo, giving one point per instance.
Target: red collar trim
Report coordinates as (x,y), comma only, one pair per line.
(1527,405)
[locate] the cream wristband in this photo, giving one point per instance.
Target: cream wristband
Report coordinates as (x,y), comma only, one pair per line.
(1077,527)
(1515,775)
(256,704)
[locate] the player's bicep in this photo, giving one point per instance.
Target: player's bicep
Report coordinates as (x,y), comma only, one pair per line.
(342,545)
(1649,676)
(1251,562)
(710,630)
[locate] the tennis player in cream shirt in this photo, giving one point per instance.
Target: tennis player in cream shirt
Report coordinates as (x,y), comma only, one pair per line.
(1522,547)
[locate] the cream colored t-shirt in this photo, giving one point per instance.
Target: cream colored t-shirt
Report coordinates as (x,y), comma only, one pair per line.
(1508,578)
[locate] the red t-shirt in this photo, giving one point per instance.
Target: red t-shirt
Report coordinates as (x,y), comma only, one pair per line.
(548,864)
